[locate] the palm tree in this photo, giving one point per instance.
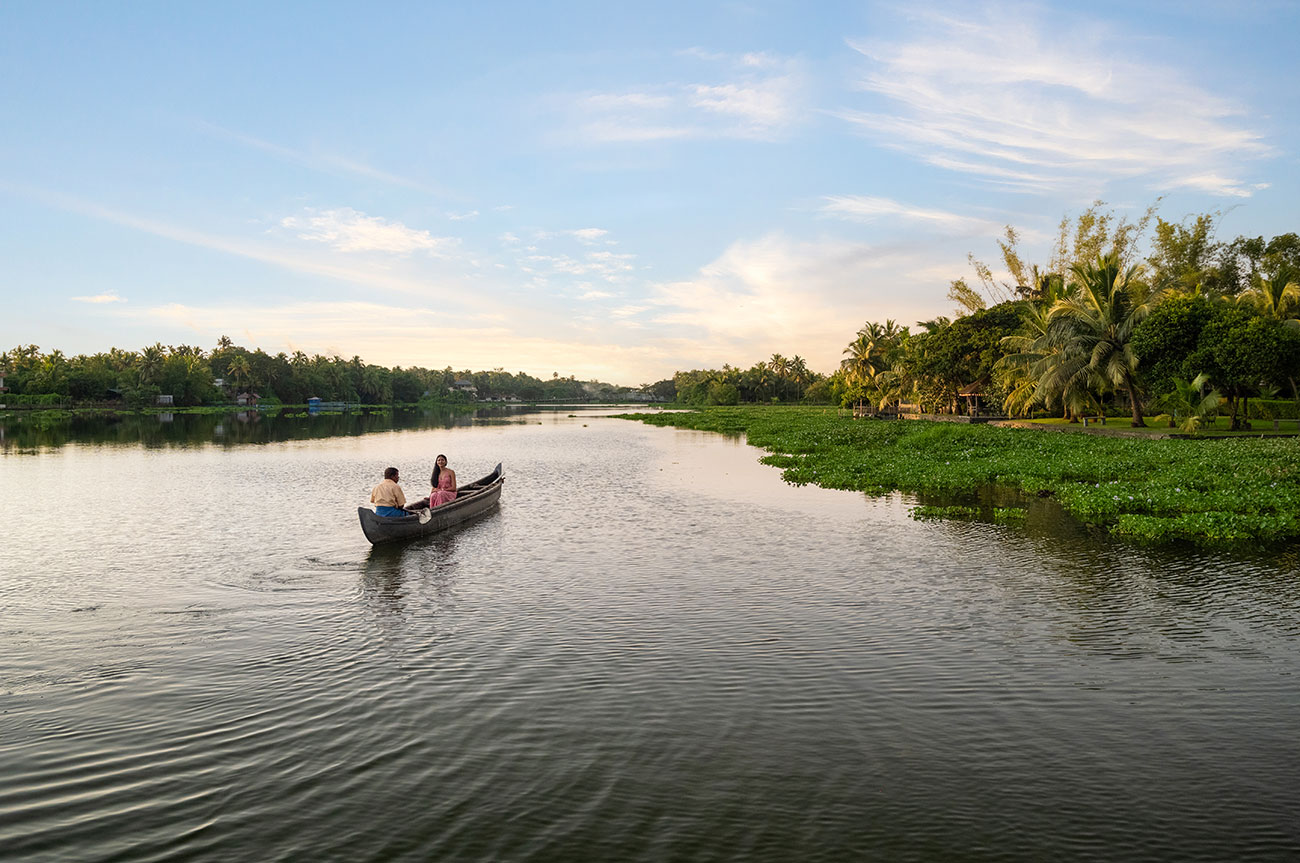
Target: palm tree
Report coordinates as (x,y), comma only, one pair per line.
(376,384)
(780,367)
(1043,366)
(1190,400)
(151,362)
(1097,320)
(240,370)
(800,373)
(861,358)
(1278,297)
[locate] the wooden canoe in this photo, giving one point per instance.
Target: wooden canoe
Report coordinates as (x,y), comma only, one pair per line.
(472,499)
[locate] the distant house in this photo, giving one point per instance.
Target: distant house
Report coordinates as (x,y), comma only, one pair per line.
(165,401)
(464,386)
(313,402)
(245,399)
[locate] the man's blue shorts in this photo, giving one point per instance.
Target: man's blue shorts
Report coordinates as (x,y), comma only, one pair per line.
(391,511)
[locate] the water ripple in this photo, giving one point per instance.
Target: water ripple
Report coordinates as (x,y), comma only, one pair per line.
(690,661)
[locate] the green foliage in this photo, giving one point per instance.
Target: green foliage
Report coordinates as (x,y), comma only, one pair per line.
(776,380)
(190,375)
(1269,409)
(1166,339)
(41,399)
(927,513)
(965,352)
(1209,492)
(721,393)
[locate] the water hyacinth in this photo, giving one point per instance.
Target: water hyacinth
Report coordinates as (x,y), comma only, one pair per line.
(1212,492)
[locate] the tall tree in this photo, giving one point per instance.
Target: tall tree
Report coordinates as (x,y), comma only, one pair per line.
(1099,318)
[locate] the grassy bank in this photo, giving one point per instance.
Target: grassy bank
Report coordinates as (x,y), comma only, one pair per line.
(1211,492)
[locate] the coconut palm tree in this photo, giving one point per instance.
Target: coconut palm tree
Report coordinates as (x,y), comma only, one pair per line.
(800,374)
(780,368)
(1191,402)
(240,370)
(1044,366)
(1278,297)
(934,325)
(151,363)
(1097,318)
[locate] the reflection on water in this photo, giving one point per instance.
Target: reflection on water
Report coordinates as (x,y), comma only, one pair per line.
(653,650)
(29,431)
(391,571)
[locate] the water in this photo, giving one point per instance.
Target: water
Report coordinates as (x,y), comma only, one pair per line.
(654,650)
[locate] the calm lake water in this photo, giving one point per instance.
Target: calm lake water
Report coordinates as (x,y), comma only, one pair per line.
(654,650)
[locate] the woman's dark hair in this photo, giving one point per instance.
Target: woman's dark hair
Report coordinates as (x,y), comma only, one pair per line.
(437,469)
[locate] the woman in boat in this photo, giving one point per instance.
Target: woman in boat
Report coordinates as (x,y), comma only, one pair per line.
(443,482)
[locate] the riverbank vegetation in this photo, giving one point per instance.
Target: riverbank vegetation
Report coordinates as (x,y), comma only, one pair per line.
(1194,328)
(192,376)
(1208,492)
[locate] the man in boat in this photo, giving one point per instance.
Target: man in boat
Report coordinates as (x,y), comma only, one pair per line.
(388,497)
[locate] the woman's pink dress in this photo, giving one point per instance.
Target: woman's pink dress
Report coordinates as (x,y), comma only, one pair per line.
(443,493)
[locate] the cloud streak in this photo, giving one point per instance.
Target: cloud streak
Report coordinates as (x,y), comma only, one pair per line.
(324,162)
(867,208)
(996,97)
(315,264)
(761,101)
(347,230)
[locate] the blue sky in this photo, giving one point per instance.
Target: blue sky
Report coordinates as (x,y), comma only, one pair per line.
(615,191)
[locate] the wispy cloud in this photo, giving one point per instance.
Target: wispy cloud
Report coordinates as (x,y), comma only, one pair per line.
(315,264)
(995,96)
(330,163)
(348,230)
(764,295)
(866,208)
(108,297)
(570,253)
(753,96)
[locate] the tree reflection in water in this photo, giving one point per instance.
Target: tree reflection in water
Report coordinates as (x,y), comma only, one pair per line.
(34,430)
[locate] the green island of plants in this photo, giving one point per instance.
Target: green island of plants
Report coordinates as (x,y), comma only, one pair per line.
(1216,492)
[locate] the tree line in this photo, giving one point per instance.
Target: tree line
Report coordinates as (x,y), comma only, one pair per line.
(195,377)
(1195,325)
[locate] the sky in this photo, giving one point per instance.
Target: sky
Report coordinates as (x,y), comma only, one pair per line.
(614,191)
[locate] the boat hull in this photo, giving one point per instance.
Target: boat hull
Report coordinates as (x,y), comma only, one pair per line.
(472,500)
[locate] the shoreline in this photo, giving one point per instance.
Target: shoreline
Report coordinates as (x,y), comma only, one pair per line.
(1243,489)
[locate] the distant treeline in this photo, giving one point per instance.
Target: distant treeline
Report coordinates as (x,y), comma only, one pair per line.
(194,377)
